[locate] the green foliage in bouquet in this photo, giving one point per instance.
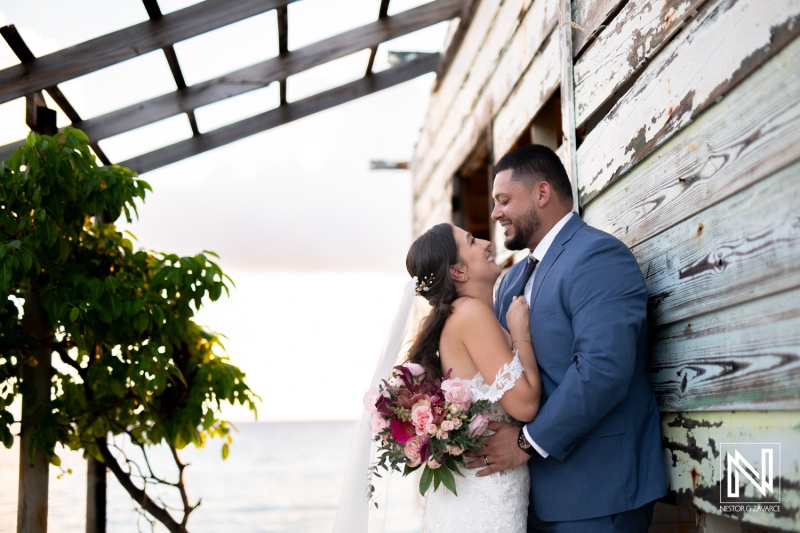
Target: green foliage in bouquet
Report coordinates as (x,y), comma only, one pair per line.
(120,319)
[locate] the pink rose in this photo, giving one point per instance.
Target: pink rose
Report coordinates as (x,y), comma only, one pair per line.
(456,391)
(433,463)
(415,369)
(431,429)
(421,414)
(454,450)
(370,398)
(378,423)
(414,450)
(478,425)
(448,425)
(456,423)
(441,434)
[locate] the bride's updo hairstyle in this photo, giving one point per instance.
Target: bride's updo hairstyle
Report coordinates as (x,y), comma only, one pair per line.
(431,256)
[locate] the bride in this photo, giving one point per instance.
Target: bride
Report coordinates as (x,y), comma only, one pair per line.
(456,273)
(461,333)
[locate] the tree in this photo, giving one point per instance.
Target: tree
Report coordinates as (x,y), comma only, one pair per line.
(120,320)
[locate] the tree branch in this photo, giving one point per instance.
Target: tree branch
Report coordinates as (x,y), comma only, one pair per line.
(138,495)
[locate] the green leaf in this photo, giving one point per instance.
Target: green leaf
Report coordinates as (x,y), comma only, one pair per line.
(140,322)
(425,480)
(55,460)
(14,244)
(447,479)
(51,232)
(437,479)
(225,451)
(8,438)
(74,314)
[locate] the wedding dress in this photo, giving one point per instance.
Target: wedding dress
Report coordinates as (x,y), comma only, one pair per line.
(498,502)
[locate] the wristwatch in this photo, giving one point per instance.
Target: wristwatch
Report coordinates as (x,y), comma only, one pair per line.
(524,444)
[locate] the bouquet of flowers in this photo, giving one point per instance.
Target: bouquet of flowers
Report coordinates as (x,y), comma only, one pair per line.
(427,425)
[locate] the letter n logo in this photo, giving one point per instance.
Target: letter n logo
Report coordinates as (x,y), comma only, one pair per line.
(749,464)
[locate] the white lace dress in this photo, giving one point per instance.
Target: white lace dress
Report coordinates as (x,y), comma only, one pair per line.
(498,502)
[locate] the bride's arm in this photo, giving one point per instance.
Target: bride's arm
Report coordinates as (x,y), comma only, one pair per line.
(484,339)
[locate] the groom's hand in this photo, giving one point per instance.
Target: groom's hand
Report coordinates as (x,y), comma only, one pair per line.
(500,450)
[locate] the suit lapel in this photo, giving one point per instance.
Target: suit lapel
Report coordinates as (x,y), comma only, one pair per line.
(563,236)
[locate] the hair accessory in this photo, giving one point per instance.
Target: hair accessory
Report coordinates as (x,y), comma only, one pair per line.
(425,283)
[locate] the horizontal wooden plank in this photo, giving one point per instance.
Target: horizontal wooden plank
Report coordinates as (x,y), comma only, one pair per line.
(752,133)
(284,114)
(479,101)
(635,35)
(469,75)
(692,448)
(589,16)
(127,43)
(745,357)
(726,42)
(744,247)
(532,91)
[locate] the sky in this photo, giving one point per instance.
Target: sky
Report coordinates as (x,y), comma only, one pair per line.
(314,240)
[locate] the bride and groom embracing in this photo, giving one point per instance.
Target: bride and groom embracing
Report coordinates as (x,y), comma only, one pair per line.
(562,349)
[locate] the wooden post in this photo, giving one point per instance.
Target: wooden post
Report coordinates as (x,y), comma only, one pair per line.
(36,376)
(95,496)
(568,99)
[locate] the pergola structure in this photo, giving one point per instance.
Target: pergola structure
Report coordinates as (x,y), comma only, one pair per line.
(34,75)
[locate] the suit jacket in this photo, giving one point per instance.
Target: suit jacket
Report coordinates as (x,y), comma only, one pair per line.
(598,418)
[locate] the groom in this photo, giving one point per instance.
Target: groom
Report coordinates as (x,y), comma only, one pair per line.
(594,448)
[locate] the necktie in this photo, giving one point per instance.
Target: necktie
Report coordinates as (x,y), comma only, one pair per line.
(529,268)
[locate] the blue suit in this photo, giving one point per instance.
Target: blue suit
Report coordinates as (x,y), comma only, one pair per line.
(598,418)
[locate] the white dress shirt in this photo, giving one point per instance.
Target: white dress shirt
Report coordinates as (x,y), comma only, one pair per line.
(538,253)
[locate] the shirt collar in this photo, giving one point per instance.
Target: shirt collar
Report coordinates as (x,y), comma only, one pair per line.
(544,245)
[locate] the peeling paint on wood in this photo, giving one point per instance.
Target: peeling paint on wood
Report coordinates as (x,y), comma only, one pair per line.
(741,357)
(708,58)
(753,132)
(528,97)
(636,35)
(484,92)
(691,444)
(749,247)
(589,16)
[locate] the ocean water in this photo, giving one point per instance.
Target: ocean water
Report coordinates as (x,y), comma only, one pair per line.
(279,477)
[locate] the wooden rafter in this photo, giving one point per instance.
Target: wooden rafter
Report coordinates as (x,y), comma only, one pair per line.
(127,43)
(467,12)
(24,54)
(424,64)
(154,12)
(262,74)
(382,14)
(283,44)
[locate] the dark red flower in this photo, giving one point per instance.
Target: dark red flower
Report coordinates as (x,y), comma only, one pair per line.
(402,431)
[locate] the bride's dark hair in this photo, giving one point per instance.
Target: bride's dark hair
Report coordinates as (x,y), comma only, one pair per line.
(431,255)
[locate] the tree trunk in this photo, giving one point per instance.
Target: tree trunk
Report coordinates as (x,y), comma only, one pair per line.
(95,496)
(35,386)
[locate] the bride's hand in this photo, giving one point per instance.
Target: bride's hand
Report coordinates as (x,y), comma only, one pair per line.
(518,319)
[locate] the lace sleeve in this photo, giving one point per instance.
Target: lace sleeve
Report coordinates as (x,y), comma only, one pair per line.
(505,380)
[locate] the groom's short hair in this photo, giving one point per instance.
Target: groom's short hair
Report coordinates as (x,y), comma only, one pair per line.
(534,162)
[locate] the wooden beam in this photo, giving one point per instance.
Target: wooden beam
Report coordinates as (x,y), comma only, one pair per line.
(382,14)
(284,114)
(283,45)
(568,100)
(24,54)
(127,43)
(262,74)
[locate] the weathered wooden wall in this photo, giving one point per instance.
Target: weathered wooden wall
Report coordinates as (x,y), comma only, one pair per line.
(687,115)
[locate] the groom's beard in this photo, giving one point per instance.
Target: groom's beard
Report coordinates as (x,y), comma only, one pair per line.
(524,230)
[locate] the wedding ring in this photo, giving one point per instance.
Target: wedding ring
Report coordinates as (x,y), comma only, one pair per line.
(486,460)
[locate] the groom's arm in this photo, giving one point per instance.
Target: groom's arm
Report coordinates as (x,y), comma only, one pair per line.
(607,298)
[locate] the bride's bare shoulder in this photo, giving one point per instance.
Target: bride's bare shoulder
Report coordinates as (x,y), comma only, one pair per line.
(468,311)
